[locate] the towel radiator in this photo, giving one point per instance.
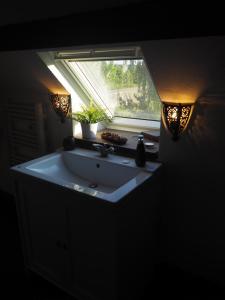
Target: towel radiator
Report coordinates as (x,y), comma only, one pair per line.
(26,132)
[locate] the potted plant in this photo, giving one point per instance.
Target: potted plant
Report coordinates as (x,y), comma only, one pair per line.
(89,117)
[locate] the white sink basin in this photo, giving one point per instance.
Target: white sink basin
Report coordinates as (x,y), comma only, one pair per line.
(83,170)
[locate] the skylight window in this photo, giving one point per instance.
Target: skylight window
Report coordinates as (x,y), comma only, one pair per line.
(117,79)
(123,86)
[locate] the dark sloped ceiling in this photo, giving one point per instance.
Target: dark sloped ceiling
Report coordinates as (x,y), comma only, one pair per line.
(25,11)
(140,20)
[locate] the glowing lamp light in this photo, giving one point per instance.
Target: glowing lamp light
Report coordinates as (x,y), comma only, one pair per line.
(61,104)
(176,117)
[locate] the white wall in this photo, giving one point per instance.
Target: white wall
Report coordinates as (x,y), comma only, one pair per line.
(193,231)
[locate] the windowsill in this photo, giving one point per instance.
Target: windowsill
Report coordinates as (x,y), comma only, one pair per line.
(129,149)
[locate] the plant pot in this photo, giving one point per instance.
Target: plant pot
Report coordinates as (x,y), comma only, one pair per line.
(89,130)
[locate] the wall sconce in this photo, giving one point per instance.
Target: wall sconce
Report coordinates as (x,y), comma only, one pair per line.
(176,117)
(61,104)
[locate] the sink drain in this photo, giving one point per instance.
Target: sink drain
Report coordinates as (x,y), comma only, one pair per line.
(93,185)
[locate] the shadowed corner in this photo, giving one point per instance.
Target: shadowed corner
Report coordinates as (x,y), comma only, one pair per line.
(202,126)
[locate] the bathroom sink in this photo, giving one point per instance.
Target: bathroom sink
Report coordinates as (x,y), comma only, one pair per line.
(109,178)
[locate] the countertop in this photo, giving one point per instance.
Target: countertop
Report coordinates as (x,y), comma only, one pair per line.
(129,149)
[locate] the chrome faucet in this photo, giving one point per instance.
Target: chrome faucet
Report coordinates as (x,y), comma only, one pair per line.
(103,149)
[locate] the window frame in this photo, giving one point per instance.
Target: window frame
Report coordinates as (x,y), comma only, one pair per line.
(59,60)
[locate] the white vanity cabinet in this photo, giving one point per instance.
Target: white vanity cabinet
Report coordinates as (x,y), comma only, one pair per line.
(94,243)
(43,224)
(69,240)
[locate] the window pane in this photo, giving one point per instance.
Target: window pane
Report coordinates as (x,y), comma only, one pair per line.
(124,87)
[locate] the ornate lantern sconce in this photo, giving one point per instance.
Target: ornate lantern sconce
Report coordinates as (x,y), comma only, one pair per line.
(176,117)
(61,104)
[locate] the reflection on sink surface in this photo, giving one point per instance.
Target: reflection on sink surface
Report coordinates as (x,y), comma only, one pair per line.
(86,171)
(83,170)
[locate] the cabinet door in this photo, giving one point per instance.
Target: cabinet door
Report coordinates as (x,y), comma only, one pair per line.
(93,247)
(45,213)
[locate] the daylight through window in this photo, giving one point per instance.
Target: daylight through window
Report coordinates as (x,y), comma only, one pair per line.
(123,86)
(117,79)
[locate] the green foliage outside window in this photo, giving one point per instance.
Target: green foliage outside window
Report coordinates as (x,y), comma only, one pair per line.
(130,74)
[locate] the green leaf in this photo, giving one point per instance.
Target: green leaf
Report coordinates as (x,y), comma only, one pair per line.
(91,114)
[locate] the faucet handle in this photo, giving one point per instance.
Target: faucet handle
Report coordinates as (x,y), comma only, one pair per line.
(104,149)
(111,149)
(97,146)
(115,147)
